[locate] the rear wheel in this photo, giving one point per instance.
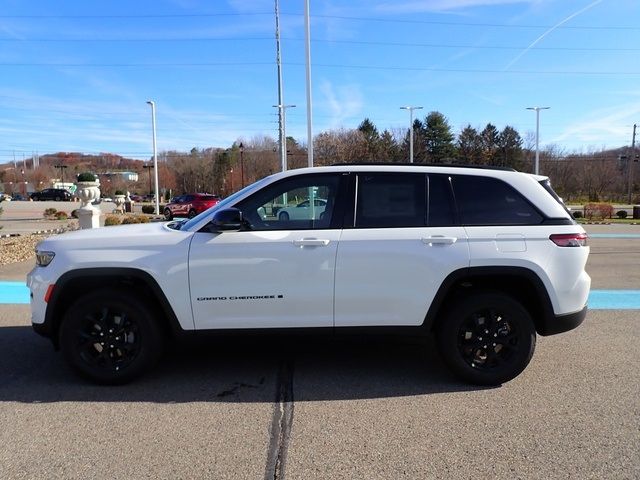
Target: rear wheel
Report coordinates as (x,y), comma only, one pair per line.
(283,216)
(487,338)
(110,337)
(57,199)
(167,214)
(192,213)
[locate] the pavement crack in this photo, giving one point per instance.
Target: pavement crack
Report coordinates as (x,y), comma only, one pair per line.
(281,423)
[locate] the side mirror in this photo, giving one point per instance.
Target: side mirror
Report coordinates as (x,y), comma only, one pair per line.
(228,219)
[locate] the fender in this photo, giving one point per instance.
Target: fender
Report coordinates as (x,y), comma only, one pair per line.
(91,278)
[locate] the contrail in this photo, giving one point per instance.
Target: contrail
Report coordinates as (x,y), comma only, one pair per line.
(537,40)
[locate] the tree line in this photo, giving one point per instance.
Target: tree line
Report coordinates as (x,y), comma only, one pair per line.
(592,176)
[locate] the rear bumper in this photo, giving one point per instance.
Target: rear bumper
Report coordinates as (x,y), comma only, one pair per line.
(563,323)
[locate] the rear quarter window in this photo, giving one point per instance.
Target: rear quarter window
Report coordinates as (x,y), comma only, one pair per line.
(489,201)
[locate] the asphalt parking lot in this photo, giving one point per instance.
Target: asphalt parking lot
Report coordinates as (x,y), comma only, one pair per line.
(334,409)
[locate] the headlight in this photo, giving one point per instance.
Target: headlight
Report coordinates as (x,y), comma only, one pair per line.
(44,258)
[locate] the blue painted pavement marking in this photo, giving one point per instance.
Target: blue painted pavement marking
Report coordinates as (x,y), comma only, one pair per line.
(614,300)
(614,235)
(14,292)
(17,292)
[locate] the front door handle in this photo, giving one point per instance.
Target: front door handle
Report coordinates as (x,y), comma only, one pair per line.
(440,240)
(311,242)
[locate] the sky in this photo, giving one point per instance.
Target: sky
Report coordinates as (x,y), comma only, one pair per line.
(76,75)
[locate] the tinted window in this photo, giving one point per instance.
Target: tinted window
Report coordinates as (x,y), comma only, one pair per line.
(390,200)
(441,209)
(287,206)
(488,201)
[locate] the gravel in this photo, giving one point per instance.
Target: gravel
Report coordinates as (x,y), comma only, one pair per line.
(19,249)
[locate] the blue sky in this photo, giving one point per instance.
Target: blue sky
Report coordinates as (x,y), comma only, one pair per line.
(75,76)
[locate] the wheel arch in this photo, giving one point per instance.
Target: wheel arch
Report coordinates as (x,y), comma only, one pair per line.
(522,284)
(75,283)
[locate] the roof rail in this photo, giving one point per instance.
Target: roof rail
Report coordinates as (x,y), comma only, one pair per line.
(442,165)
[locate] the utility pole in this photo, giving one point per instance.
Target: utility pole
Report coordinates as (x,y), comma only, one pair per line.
(282,141)
(632,158)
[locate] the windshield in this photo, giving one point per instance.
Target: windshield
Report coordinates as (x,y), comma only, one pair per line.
(230,200)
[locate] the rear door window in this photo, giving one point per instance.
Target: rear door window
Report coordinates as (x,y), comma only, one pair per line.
(386,200)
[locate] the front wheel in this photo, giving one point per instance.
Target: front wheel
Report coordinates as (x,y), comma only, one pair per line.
(487,338)
(109,336)
(283,216)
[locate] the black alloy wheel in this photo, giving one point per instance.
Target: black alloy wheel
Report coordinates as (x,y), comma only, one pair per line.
(110,337)
(487,338)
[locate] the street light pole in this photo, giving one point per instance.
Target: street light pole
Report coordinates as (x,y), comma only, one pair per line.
(241,146)
(155,154)
(537,110)
(411,109)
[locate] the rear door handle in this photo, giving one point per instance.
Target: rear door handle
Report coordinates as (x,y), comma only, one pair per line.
(440,240)
(311,242)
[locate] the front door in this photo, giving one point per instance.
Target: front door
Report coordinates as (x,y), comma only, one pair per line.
(276,273)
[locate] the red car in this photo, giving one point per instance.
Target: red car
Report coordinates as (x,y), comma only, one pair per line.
(189,205)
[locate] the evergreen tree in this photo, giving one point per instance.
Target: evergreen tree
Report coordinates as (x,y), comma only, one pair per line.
(490,145)
(438,139)
(470,146)
(510,144)
(371,138)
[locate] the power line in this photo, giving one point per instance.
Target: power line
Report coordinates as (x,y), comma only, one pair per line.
(325,65)
(346,42)
(330,17)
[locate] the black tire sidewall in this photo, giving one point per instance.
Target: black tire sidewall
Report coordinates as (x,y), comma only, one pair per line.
(447,336)
(167,214)
(150,335)
(283,216)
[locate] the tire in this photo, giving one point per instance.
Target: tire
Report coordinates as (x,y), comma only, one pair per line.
(487,338)
(110,337)
(192,213)
(167,214)
(56,199)
(283,216)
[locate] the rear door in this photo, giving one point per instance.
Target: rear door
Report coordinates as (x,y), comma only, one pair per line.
(401,243)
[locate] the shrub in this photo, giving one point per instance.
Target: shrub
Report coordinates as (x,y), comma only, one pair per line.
(74,213)
(148,209)
(111,220)
(86,177)
(577,214)
(621,214)
(60,215)
(135,219)
(49,212)
(598,211)
(119,192)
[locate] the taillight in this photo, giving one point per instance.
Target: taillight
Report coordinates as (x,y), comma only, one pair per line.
(569,239)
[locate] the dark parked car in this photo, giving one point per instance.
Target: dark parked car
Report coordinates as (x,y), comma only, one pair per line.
(189,205)
(56,194)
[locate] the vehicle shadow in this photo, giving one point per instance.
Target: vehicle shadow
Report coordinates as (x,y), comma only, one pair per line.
(234,370)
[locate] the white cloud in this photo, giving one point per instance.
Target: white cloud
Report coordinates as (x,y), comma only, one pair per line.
(443,5)
(341,103)
(608,126)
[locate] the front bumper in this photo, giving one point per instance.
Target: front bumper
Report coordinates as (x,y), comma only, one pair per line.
(563,323)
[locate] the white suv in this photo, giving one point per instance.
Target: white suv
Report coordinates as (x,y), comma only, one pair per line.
(483,258)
